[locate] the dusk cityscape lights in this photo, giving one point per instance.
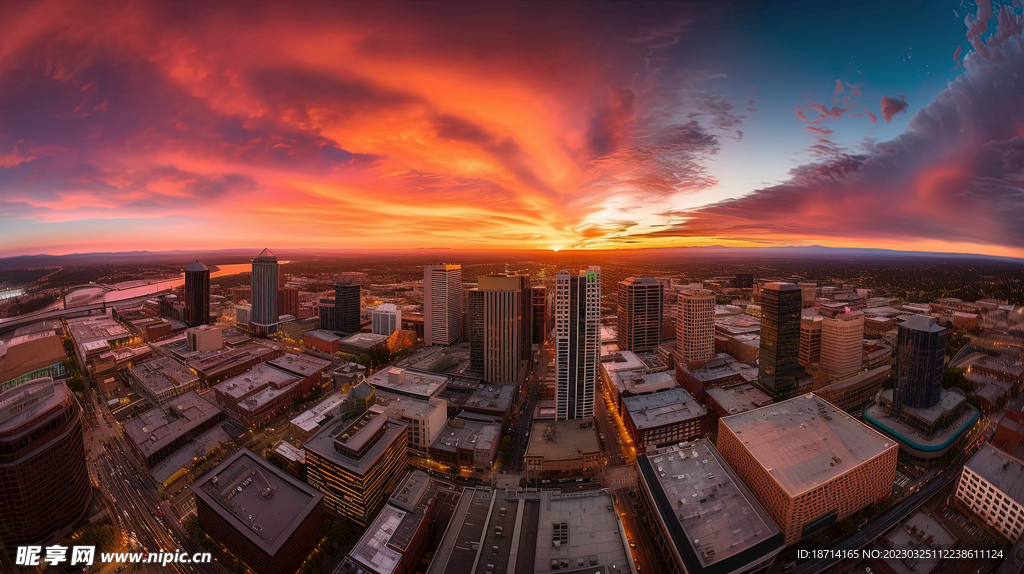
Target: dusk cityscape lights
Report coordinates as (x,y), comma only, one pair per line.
(402,287)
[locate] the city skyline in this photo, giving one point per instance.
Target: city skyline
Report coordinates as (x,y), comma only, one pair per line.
(500,125)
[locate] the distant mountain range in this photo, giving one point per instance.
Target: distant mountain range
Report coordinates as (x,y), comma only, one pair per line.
(226,256)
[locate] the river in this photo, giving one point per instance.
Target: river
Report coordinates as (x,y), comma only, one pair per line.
(151,288)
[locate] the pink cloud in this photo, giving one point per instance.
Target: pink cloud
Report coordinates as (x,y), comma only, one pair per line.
(891,107)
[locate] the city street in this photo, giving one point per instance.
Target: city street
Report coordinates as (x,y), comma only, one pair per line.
(126,484)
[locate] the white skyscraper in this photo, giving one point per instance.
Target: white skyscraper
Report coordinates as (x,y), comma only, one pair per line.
(695,331)
(387,319)
(842,344)
(577,342)
(442,304)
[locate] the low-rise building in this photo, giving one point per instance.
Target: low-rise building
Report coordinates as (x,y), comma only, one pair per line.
(665,417)
(721,371)
(361,342)
(308,368)
(466,444)
(725,401)
(921,538)
(204,338)
(160,380)
(426,419)
(256,397)
(321,340)
(991,489)
(264,516)
(563,446)
(160,432)
(703,519)
(852,393)
(413,383)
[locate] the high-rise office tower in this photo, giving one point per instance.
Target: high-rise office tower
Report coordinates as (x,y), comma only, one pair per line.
(540,314)
(920,354)
(386,319)
(744,281)
(640,301)
(499,334)
(197,295)
(328,314)
(842,344)
(809,293)
(442,304)
(810,340)
(695,331)
(264,293)
(347,300)
(44,480)
(288,301)
(577,342)
(780,374)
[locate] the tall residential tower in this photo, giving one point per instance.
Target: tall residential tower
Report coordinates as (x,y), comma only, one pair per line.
(695,331)
(577,342)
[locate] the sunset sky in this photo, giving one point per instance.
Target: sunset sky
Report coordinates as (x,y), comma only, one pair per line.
(175,125)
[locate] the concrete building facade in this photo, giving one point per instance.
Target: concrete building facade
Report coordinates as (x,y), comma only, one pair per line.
(442,304)
(695,330)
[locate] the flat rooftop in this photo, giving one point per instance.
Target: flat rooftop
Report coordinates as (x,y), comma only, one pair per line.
(739,398)
(322,335)
(495,398)
(84,329)
(266,396)
(586,526)
(363,340)
(471,434)
(300,365)
(412,407)
(710,514)
(922,323)
(163,374)
(408,382)
(260,375)
(724,365)
(1001,470)
(662,408)
(562,440)
(310,420)
(262,502)
(805,441)
(159,427)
